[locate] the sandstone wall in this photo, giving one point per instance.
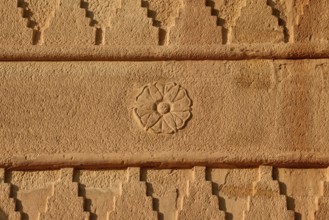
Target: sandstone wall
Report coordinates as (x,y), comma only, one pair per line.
(164,109)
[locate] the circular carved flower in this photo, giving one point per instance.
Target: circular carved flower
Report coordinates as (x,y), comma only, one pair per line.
(163,108)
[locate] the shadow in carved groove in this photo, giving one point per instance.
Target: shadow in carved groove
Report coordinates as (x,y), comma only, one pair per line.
(291,13)
(8,205)
(216,188)
(3,215)
(19,205)
(220,21)
(282,22)
(99,33)
(283,191)
(156,23)
(156,201)
(87,202)
(150,192)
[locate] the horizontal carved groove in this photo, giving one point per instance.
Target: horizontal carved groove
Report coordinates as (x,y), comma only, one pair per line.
(115,161)
(151,53)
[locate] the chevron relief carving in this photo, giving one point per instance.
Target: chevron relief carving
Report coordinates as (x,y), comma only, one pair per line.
(131,26)
(65,202)
(100,13)
(257,24)
(302,187)
(195,25)
(99,188)
(227,12)
(200,190)
(133,200)
(164,15)
(168,188)
(70,26)
(33,186)
(266,196)
(289,14)
(39,15)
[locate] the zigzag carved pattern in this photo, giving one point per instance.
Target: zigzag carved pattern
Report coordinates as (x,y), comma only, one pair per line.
(165,15)
(101,194)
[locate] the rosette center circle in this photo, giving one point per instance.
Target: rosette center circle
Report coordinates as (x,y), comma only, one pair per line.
(163,108)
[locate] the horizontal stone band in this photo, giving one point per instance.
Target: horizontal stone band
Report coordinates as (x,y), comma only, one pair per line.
(135,29)
(242,112)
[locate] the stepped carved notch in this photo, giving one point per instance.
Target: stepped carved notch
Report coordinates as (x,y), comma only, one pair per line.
(39,15)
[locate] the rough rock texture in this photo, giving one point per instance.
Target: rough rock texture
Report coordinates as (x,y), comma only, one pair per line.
(164,109)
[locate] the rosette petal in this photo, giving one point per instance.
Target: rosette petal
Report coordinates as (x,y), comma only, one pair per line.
(144,118)
(152,120)
(171,93)
(168,86)
(170,121)
(181,105)
(166,128)
(160,87)
(140,112)
(144,96)
(157,128)
(155,93)
(146,106)
(181,118)
(181,94)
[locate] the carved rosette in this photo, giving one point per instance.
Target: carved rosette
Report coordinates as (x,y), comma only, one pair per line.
(163,107)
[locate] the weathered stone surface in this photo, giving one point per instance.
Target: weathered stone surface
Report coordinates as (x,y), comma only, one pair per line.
(313,25)
(164,109)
